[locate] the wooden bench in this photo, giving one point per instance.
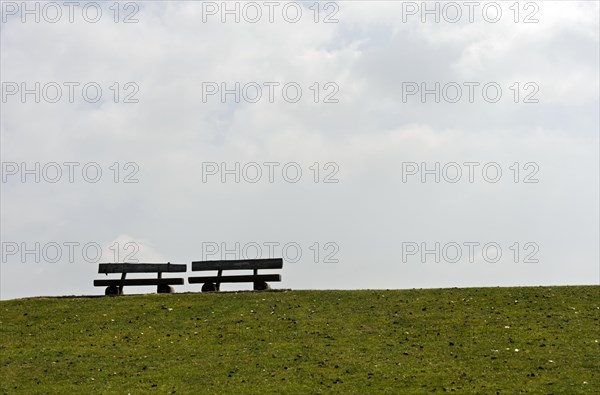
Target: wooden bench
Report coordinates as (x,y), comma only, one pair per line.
(115,286)
(213,283)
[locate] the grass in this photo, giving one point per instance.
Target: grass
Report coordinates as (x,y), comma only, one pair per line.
(478,340)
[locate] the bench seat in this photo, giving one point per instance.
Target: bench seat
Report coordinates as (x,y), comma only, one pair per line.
(138,281)
(107,268)
(235,279)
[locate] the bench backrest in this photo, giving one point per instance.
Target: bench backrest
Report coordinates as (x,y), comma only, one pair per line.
(239,264)
(141,267)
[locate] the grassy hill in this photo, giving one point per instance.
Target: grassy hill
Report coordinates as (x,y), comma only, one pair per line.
(483,340)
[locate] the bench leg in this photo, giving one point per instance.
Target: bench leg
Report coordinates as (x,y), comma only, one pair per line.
(112,290)
(209,287)
(261,286)
(164,289)
(121,287)
(218,285)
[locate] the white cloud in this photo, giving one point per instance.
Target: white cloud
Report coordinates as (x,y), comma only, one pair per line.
(369,134)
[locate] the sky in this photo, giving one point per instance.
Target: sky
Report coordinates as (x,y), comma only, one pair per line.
(370,144)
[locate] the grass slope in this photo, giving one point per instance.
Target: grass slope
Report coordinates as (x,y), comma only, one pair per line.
(486,340)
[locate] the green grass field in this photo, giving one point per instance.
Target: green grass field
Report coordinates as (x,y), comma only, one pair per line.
(478,340)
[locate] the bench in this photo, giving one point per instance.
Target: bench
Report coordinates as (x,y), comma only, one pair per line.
(213,283)
(115,286)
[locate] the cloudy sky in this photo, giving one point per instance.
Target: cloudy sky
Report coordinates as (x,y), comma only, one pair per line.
(371,144)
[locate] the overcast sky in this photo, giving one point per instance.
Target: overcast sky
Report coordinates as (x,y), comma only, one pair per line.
(514,97)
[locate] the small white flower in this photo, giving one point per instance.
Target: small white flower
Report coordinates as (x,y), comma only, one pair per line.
(516,350)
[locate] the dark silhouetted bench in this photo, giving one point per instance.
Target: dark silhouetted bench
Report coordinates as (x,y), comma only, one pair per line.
(213,283)
(115,286)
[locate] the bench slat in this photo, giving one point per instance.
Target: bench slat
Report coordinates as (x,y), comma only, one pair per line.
(141,267)
(235,279)
(139,281)
(240,264)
